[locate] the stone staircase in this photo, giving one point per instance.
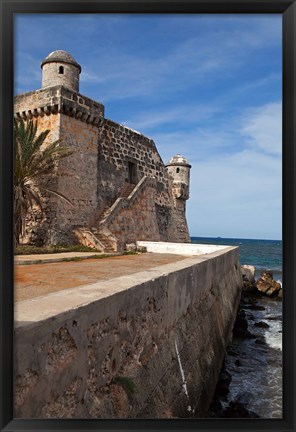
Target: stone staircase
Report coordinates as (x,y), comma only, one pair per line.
(127,190)
(99,235)
(108,245)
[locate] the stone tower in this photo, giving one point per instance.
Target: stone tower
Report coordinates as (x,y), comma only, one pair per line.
(179,173)
(60,68)
(75,120)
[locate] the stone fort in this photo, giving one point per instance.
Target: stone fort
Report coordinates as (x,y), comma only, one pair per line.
(119,187)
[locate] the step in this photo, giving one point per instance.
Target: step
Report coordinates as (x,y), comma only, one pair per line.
(126,192)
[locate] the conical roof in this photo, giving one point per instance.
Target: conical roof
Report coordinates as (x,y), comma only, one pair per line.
(178,160)
(60,56)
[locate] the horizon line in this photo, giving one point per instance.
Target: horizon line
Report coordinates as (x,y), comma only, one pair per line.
(234,238)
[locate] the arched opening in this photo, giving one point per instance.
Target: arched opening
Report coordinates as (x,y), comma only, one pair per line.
(61,69)
(177,170)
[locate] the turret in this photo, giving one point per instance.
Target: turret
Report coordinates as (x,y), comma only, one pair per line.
(179,171)
(60,68)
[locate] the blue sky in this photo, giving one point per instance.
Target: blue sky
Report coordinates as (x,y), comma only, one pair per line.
(205,86)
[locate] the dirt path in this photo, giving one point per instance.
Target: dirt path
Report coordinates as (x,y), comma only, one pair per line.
(34,280)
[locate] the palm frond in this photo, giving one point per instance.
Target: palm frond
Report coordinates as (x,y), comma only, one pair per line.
(31,162)
(60,195)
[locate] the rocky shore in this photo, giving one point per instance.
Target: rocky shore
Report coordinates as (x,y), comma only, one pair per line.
(264,285)
(248,332)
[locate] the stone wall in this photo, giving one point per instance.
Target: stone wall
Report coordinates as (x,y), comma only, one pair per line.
(136,221)
(120,145)
(146,345)
(79,179)
(181,232)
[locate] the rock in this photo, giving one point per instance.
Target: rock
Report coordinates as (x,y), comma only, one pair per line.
(248,286)
(274,318)
(260,341)
(275,289)
(141,249)
(243,398)
(255,307)
(215,408)
(280,294)
(241,320)
(238,362)
(240,328)
(222,388)
(232,353)
(131,247)
(253,301)
(261,324)
(237,410)
(267,285)
(248,273)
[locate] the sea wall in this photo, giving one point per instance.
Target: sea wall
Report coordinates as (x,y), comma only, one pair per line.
(146,345)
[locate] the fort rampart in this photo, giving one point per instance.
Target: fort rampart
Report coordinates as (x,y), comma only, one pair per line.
(146,345)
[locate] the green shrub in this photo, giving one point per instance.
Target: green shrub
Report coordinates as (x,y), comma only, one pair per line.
(126,383)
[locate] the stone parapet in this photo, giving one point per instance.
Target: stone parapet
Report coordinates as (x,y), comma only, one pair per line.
(164,331)
(58,99)
(191,249)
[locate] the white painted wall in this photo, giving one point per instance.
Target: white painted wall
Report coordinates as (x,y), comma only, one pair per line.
(179,248)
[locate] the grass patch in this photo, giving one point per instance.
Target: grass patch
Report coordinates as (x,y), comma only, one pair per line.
(126,383)
(130,253)
(89,257)
(31,249)
(36,250)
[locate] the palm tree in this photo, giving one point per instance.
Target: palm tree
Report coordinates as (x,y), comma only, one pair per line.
(30,163)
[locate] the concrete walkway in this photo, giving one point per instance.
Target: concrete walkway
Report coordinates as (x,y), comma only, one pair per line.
(34,280)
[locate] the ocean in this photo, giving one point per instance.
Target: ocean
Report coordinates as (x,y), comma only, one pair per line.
(263,254)
(256,368)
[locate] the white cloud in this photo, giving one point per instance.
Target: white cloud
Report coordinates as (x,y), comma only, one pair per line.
(239,194)
(263,128)
(182,114)
(236,172)
(196,144)
(213,54)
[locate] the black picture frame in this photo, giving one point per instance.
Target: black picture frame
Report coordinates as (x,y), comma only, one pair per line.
(288,10)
